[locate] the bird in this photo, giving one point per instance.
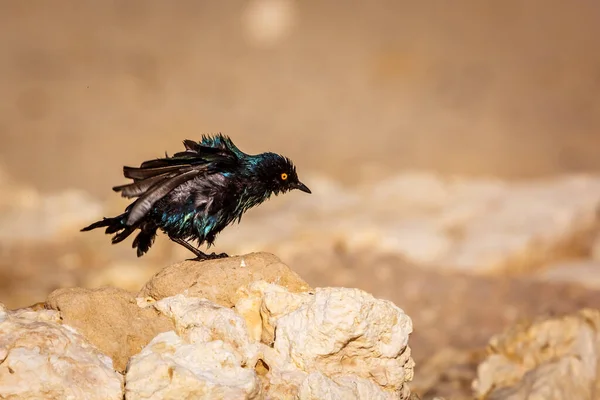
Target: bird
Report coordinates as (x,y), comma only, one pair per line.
(194,194)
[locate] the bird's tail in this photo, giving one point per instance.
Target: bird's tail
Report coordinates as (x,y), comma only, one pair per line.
(113,225)
(143,241)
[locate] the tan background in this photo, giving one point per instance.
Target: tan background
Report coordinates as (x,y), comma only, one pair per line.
(353,89)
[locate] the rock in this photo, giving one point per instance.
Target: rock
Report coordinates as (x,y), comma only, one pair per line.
(41,358)
(210,356)
(333,343)
(582,272)
(450,371)
(110,319)
(550,359)
(265,340)
(317,386)
(218,280)
(261,303)
(342,333)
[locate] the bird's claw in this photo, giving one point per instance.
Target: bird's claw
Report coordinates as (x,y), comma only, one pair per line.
(215,256)
(206,257)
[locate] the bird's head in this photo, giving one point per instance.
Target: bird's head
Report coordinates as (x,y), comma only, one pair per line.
(278,173)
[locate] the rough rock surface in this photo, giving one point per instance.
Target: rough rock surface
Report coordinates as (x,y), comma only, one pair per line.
(269,341)
(273,338)
(210,357)
(317,386)
(312,345)
(110,319)
(337,331)
(218,280)
(42,359)
(551,359)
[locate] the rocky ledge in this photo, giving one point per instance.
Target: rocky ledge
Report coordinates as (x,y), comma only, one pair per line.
(248,327)
(245,327)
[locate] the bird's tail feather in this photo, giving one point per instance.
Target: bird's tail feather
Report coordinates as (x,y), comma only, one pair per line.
(144,240)
(113,225)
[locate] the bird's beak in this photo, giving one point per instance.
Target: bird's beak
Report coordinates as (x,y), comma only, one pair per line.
(302,186)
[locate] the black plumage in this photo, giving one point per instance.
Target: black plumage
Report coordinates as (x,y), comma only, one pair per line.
(196,193)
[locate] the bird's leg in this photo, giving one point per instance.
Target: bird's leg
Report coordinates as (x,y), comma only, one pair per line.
(210,240)
(200,256)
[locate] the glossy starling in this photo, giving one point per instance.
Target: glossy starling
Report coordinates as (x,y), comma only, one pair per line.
(196,193)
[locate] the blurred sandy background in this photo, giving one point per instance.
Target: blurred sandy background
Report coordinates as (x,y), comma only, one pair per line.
(355,93)
(505,87)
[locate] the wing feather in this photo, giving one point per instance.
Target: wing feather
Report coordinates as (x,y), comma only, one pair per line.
(140,186)
(145,172)
(145,202)
(154,179)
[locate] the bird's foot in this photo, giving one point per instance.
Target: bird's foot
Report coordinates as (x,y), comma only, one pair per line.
(215,256)
(205,257)
(200,256)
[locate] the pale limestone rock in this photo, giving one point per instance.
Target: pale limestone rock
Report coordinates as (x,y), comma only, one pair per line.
(344,334)
(300,385)
(333,343)
(553,359)
(170,367)
(317,386)
(262,303)
(341,331)
(211,355)
(42,359)
(199,320)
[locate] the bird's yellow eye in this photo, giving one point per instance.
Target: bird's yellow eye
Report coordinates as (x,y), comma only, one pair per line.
(283,176)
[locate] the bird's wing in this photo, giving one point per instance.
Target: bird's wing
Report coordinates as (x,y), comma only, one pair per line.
(154,179)
(156,192)
(194,154)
